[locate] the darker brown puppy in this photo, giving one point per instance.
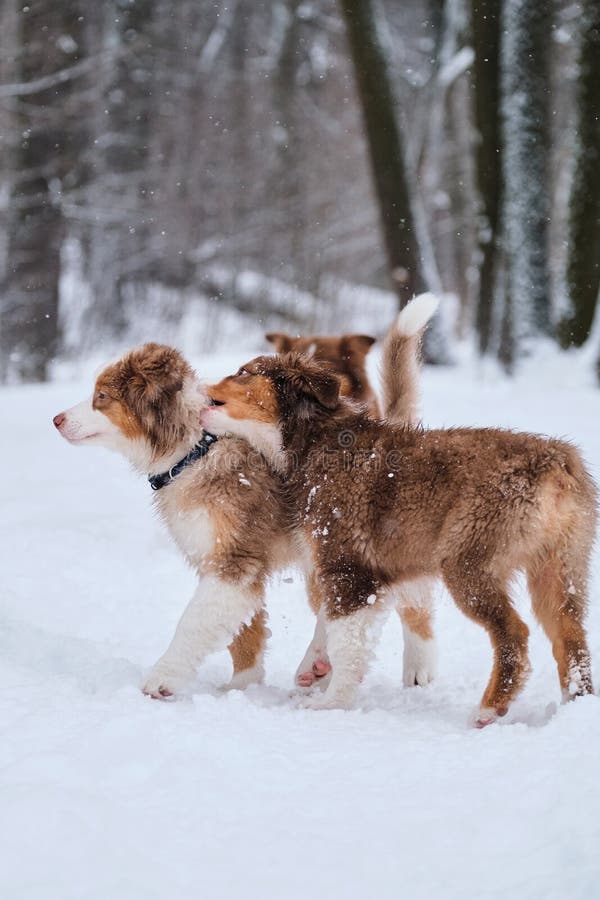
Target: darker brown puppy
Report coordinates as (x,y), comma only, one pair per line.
(379,505)
(346,356)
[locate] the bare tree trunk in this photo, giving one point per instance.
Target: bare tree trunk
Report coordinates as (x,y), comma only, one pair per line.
(488,159)
(286,175)
(526,37)
(448,182)
(49,37)
(385,148)
(583,261)
(120,249)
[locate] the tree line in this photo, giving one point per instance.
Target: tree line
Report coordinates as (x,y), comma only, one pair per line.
(152,152)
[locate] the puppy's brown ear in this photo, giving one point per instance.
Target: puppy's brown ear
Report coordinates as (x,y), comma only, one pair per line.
(357,343)
(154,374)
(318,386)
(283,342)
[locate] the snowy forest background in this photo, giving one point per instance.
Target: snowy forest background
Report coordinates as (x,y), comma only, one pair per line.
(208,169)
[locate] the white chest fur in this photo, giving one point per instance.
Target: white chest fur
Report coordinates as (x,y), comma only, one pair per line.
(193,533)
(190,525)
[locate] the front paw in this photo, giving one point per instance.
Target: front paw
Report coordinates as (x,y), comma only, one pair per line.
(319,675)
(315,668)
(164,682)
(487,715)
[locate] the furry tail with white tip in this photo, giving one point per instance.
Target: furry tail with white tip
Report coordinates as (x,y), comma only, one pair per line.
(401,358)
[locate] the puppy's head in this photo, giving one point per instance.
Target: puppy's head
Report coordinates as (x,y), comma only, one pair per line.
(269,395)
(146,406)
(345,355)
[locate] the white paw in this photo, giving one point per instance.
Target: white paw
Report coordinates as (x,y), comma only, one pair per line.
(419,663)
(241,680)
(486,715)
(314,670)
(164,682)
(316,677)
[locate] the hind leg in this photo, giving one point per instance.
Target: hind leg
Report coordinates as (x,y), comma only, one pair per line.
(352,623)
(484,599)
(350,640)
(247,651)
(315,666)
(559,596)
(414,608)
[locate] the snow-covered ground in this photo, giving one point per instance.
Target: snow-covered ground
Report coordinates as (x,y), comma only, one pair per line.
(107,795)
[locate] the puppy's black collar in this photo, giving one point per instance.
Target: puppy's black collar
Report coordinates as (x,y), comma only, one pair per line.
(201,449)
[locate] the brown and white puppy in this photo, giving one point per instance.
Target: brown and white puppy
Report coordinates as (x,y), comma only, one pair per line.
(345,356)
(226,511)
(383,506)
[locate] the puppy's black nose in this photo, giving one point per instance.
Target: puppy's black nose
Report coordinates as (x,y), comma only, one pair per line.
(59,419)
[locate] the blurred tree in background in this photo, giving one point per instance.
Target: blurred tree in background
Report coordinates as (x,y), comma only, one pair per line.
(386,151)
(241,165)
(488,159)
(42,159)
(583,262)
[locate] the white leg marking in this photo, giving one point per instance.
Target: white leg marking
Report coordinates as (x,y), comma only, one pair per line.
(350,641)
(419,662)
(213,616)
(317,650)
(254,675)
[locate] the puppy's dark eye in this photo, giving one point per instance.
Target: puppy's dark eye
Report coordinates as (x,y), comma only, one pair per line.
(241,372)
(101,395)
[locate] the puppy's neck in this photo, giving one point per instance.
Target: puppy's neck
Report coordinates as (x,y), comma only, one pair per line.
(185,431)
(302,435)
(268,442)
